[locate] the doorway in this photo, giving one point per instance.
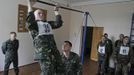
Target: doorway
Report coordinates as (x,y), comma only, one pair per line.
(88,45)
(93,36)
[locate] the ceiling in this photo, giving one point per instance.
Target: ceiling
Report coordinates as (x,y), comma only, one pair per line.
(86,2)
(76,1)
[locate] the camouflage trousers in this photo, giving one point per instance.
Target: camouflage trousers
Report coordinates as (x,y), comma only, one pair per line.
(121,69)
(47,55)
(47,68)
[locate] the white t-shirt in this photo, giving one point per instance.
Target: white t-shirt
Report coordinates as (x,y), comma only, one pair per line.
(101,49)
(124,50)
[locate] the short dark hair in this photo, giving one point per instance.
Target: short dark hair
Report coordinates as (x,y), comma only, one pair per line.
(13,33)
(126,37)
(68,43)
(105,34)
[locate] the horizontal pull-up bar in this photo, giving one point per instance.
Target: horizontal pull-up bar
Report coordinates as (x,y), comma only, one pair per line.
(60,6)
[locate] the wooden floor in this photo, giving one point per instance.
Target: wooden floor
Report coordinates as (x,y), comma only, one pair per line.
(89,68)
(32,69)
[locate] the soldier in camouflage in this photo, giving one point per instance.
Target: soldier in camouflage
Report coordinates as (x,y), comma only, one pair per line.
(71,60)
(123,57)
(131,72)
(10,50)
(46,52)
(103,50)
(119,41)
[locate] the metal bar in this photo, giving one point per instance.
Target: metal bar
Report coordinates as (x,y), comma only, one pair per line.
(60,6)
(84,37)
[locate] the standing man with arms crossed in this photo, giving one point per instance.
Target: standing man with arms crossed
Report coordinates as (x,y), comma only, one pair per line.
(10,50)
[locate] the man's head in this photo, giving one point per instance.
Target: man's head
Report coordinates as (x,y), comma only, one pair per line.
(126,40)
(103,39)
(39,15)
(66,47)
(121,36)
(106,35)
(13,35)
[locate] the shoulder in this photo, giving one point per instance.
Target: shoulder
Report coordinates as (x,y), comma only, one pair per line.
(16,40)
(116,40)
(110,40)
(99,43)
(74,54)
(7,41)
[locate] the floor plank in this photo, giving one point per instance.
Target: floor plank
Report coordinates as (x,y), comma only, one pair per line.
(89,68)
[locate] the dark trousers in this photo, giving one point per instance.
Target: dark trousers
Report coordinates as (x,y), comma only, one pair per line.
(121,69)
(131,72)
(7,65)
(102,66)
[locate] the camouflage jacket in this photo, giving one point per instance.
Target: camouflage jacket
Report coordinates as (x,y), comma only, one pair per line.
(10,49)
(32,25)
(72,64)
(121,58)
(44,44)
(118,43)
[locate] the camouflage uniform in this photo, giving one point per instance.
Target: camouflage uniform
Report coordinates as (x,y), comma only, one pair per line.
(132,63)
(46,52)
(103,57)
(10,49)
(123,57)
(118,43)
(72,64)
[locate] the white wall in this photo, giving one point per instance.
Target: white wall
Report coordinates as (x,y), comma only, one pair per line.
(115,18)
(8,23)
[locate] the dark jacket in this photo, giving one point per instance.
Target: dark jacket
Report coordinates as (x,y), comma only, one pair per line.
(10,49)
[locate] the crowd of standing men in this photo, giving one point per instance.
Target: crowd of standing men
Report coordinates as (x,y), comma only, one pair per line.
(117,59)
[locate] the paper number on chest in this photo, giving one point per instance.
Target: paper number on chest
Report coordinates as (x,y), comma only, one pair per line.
(47,28)
(124,50)
(101,49)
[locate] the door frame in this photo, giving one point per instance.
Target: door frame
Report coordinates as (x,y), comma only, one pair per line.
(80,51)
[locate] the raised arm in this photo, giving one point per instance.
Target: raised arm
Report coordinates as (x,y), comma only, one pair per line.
(31,23)
(58,22)
(30,18)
